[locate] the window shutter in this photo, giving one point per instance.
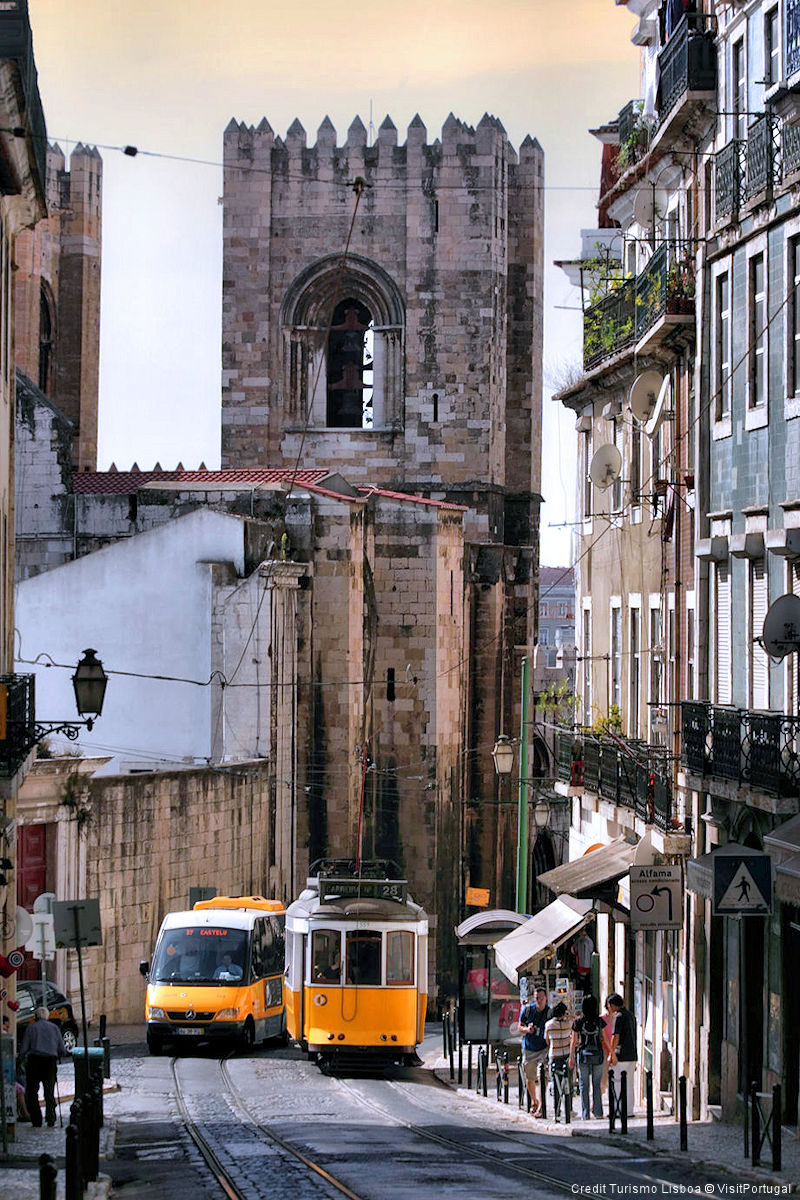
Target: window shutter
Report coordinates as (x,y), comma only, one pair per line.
(759,665)
(724,687)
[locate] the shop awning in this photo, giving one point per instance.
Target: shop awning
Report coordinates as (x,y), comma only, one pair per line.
(783,847)
(486,928)
(592,871)
(540,936)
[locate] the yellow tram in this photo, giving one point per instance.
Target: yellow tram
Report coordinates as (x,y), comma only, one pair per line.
(356,965)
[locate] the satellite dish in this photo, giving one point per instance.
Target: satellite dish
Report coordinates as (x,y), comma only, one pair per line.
(605,467)
(782,626)
(25,926)
(662,404)
(649,206)
(644,393)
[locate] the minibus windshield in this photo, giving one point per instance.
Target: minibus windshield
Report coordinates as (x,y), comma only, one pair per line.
(201,954)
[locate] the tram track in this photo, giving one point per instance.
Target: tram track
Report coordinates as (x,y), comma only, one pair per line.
(229,1095)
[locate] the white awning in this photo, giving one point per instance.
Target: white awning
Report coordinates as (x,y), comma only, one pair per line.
(523,948)
(596,868)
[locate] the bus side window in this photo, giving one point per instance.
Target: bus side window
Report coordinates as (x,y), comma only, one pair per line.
(257,954)
(276,926)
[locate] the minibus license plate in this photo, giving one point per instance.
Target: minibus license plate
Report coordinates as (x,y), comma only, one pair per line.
(187,1029)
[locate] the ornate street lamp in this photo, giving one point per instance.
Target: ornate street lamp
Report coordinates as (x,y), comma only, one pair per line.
(89,682)
(503,755)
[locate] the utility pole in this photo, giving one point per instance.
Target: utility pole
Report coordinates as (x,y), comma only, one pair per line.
(522,804)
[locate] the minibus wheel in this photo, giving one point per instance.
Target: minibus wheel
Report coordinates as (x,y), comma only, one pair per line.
(248,1038)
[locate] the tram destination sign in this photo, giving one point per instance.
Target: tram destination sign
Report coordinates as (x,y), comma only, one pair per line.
(656,897)
(332,888)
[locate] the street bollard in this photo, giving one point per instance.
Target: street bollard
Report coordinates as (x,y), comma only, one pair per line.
(505,1078)
(682,1111)
(460,1063)
(444,1035)
(648,1095)
(543,1089)
(522,1085)
(623,1123)
(776,1127)
(612,1101)
(48,1175)
(450,1051)
(73,1184)
(469,1066)
(755,1127)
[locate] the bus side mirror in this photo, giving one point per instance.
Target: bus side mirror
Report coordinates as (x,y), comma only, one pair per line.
(144,968)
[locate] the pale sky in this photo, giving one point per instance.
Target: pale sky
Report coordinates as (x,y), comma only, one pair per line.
(168,75)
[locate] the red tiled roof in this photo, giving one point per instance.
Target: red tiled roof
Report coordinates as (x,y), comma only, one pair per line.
(127,482)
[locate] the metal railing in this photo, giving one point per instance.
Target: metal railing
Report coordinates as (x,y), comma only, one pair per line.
(729,179)
(627,771)
(687,63)
(610,324)
(763,164)
(758,749)
(20,705)
(790,149)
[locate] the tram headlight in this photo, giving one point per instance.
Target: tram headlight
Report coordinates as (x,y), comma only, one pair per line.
(156,1014)
(227,1014)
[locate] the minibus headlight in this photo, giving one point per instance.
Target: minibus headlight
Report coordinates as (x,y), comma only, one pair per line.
(227,1014)
(156,1014)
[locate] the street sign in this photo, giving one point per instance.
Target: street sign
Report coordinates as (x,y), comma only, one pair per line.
(742,885)
(656,897)
(42,942)
(477,897)
(77,923)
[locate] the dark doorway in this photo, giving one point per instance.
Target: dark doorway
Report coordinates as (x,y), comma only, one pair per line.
(751,1007)
(31,880)
(791,1011)
(716,1006)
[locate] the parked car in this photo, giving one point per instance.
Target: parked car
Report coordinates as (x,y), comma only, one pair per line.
(29,997)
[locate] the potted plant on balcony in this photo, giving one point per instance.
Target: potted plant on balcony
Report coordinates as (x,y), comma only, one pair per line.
(680,287)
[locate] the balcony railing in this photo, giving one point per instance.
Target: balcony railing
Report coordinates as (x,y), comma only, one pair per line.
(627,772)
(760,750)
(790,149)
(610,324)
(20,724)
(688,62)
(730,171)
(762,156)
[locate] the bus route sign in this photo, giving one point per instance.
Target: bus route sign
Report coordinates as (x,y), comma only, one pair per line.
(656,897)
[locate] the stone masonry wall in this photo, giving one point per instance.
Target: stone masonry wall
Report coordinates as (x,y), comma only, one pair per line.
(152,837)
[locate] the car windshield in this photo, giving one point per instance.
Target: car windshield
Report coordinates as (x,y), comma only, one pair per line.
(200,954)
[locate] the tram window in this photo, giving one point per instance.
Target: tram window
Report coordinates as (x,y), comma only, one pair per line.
(364,958)
(326,956)
(399,957)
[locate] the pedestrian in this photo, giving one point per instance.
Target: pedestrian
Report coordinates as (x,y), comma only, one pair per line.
(558,1035)
(622,1052)
(532,1021)
(586,1048)
(41,1048)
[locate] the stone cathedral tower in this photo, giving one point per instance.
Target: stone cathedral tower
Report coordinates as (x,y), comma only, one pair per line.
(382,317)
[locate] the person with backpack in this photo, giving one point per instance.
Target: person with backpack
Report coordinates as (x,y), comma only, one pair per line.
(586,1046)
(622,1053)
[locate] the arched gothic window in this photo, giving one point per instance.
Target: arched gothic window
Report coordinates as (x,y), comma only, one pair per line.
(343,347)
(45,340)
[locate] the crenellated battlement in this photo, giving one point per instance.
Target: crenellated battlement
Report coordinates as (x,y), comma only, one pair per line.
(247,143)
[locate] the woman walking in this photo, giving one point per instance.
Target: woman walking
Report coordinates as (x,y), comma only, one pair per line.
(586,1046)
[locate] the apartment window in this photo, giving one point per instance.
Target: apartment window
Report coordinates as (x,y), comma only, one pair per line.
(723,688)
(616,487)
(739,88)
(758,332)
(794,317)
(759,663)
(635,671)
(586,652)
(771,48)
(690,654)
(615,698)
(722,374)
(586,439)
(656,656)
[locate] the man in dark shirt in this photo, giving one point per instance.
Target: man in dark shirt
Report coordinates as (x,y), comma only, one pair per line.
(41,1047)
(622,1050)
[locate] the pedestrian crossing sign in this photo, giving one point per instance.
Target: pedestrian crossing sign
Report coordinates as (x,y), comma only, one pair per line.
(742,885)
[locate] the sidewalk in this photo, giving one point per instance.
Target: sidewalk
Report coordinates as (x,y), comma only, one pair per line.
(715,1144)
(19,1174)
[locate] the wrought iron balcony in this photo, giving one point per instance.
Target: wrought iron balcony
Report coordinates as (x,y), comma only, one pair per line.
(729,175)
(609,325)
(790,149)
(760,750)
(20,722)
(664,294)
(626,771)
(687,64)
(763,156)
